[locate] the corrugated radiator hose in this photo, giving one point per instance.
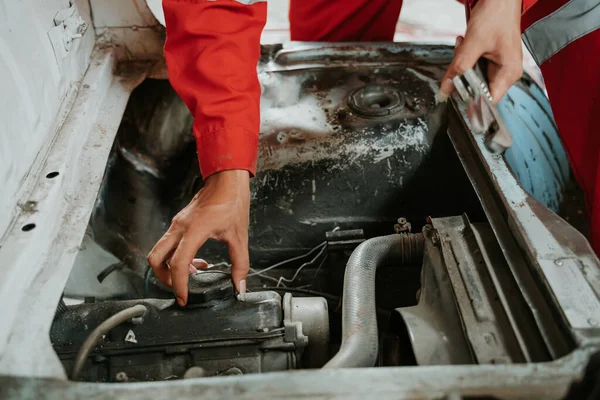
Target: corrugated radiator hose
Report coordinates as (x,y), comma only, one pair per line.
(359,322)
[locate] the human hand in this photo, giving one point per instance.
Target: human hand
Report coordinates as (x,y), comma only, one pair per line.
(493,32)
(220,210)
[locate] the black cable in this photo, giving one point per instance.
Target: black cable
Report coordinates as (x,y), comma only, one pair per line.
(109,270)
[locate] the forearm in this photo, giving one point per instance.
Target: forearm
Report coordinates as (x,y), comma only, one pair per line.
(212,51)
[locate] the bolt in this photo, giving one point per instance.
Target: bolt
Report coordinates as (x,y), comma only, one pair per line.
(402,226)
(435,239)
(592,322)
(412,104)
(558,262)
(234,371)
(194,372)
(121,377)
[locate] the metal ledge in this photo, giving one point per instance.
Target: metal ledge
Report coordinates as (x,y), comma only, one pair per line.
(544,381)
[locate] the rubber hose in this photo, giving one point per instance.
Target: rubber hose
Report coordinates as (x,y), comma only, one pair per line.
(359,322)
(125,315)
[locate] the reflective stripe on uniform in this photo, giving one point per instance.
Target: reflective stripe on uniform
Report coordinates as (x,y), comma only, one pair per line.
(250,2)
(552,33)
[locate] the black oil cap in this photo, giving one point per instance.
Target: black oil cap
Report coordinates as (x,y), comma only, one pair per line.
(207,286)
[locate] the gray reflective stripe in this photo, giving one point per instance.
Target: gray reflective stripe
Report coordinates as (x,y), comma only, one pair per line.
(555,31)
(250,2)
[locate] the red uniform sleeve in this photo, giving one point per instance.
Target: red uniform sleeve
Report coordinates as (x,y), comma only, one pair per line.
(212,51)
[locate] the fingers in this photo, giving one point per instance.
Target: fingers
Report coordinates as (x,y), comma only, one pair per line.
(466,54)
(502,77)
(240,263)
(199,263)
(161,253)
(181,264)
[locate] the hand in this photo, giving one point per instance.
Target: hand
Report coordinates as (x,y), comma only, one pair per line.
(493,32)
(220,210)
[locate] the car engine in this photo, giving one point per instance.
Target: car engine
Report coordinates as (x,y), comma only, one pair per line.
(368,243)
(214,335)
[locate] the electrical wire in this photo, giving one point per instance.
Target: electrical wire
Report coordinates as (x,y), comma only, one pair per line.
(321,247)
(319,254)
(279,264)
(90,342)
(109,270)
(147,280)
(220,264)
(317,271)
(264,276)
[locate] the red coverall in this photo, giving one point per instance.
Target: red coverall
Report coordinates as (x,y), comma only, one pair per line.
(212,50)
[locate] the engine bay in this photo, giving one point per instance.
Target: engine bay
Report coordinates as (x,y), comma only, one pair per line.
(369,245)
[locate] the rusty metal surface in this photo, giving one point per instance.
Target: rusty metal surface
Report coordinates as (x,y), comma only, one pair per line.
(320,164)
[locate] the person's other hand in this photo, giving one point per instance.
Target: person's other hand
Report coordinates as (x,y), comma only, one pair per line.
(493,32)
(220,210)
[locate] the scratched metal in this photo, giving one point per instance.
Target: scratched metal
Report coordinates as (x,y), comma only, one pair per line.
(546,381)
(134,193)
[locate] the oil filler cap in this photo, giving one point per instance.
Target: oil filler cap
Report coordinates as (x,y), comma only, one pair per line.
(209,286)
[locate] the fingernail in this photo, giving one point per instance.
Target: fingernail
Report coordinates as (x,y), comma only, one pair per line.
(242,295)
(180,301)
(441,97)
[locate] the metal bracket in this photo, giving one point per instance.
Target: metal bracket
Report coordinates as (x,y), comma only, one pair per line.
(293,329)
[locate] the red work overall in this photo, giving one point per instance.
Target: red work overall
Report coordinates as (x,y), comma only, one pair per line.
(212,50)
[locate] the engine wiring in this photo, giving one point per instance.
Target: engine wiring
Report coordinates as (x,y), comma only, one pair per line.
(320,246)
(311,262)
(319,249)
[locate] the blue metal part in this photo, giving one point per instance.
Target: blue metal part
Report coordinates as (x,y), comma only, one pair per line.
(537,156)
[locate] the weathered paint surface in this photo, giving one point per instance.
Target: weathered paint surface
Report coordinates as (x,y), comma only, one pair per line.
(562,256)
(37,261)
(543,381)
(37,86)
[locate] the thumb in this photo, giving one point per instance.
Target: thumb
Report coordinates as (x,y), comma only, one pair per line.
(466,54)
(240,264)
